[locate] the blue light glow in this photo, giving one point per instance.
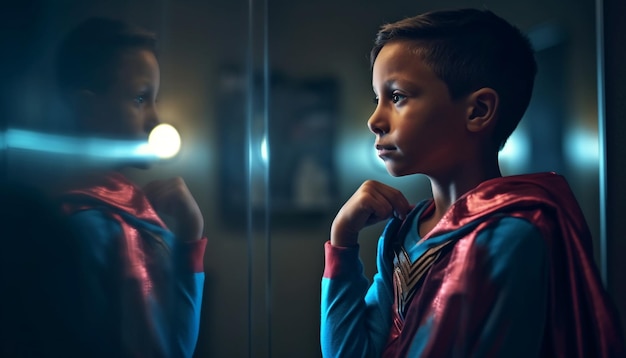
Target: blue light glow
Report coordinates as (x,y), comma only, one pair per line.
(515,155)
(581,148)
(83,147)
(264,150)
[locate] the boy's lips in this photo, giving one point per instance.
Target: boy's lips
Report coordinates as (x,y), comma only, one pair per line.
(384,149)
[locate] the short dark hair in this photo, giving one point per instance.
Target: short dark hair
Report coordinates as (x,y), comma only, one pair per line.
(471,49)
(87,55)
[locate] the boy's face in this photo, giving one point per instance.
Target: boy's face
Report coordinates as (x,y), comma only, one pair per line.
(418,127)
(127,108)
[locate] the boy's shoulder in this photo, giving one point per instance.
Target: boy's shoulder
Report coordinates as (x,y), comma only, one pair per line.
(541,200)
(516,193)
(544,200)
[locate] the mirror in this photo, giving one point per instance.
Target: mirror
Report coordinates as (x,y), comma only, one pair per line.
(196,40)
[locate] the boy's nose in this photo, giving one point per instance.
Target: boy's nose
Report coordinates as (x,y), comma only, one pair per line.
(376,124)
(152,119)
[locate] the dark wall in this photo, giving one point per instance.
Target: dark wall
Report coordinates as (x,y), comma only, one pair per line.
(615,112)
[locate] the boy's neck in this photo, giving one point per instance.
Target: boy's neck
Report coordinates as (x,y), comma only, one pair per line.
(448,190)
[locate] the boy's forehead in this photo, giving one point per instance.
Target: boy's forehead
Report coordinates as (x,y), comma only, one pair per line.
(136,65)
(401,51)
(396,60)
(137,60)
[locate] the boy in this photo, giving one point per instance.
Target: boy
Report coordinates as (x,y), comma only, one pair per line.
(145,282)
(491,265)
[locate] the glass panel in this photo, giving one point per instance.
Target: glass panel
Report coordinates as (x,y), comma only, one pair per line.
(203,54)
(322,150)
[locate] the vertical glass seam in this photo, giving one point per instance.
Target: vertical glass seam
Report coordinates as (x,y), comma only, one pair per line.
(602,175)
(249,117)
(268,242)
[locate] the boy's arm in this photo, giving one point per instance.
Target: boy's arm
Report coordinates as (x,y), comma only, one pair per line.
(173,198)
(355,320)
(187,296)
(519,270)
(98,246)
(180,319)
(502,310)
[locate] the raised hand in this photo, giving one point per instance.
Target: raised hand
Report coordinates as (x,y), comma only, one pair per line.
(172,197)
(371,203)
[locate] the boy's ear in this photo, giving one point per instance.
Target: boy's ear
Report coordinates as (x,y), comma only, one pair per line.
(482,109)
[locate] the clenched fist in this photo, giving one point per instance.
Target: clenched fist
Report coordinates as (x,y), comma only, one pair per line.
(172,197)
(371,203)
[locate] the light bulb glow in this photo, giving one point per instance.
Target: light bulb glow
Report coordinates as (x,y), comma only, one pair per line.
(164,141)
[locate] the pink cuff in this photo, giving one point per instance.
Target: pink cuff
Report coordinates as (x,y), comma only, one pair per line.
(339,260)
(194,250)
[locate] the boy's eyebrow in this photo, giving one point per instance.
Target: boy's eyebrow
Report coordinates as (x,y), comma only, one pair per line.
(405,82)
(386,85)
(144,84)
(144,87)
(390,83)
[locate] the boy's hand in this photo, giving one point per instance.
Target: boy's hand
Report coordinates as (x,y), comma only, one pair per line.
(371,203)
(172,197)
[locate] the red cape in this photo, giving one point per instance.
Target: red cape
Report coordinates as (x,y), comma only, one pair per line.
(582,320)
(114,194)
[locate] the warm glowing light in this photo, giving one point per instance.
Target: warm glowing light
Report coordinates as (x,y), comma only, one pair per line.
(164,141)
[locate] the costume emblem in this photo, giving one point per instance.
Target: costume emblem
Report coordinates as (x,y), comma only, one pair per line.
(406,275)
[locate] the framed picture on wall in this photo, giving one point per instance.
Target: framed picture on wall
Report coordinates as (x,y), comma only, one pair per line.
(296,148)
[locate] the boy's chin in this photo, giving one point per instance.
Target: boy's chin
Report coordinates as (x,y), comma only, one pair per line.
(397,172)
(144,165)
(398,175)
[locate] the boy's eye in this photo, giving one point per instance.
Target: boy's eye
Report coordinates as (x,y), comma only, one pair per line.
(375,99)
(395,97)
(140,99)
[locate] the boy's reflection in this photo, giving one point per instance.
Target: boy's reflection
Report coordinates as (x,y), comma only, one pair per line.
(145,282)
